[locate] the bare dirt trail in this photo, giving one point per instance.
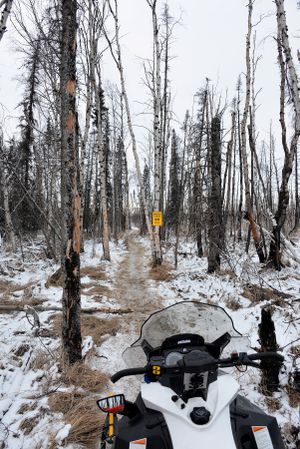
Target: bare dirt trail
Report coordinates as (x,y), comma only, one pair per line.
(132,287)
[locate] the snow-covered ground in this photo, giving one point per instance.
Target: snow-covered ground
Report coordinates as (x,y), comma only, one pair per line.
(29,364)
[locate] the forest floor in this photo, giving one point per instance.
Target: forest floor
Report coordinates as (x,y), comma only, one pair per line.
(42,407)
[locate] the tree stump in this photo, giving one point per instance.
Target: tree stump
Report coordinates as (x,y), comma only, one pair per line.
(270,368)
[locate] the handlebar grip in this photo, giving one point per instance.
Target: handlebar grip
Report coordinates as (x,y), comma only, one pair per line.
(266,355)
(127,372)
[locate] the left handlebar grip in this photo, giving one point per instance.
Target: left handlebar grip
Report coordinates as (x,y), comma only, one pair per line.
(127,372)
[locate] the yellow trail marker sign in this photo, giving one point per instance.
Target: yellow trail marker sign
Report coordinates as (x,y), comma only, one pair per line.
(157,218)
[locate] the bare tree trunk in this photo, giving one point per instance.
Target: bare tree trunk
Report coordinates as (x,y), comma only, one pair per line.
(102,173)
(157,134)
(9,230)
(285,59)
(71,332)
(249,208)
(228,173)
(241,190)
(297,199)
(4,16)
(215,200)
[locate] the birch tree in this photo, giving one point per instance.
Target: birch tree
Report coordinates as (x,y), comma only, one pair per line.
(71,332)
(287,71)
(157,129)
(249,208)
(5,6)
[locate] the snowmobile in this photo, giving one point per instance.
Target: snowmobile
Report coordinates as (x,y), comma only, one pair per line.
(188,398)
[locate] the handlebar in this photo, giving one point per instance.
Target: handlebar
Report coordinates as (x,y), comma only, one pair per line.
(241,359)
(128,372)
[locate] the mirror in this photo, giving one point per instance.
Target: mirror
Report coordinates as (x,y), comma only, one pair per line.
(112,404)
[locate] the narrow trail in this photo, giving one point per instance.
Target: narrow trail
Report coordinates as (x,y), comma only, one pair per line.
(131,287)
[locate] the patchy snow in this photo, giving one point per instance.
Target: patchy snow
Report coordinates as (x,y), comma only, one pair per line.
(25,383)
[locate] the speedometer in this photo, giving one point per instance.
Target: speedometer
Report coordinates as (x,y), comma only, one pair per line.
(173,357)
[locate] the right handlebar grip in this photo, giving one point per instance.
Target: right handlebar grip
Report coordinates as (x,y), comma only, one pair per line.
(127,372)
(266,355)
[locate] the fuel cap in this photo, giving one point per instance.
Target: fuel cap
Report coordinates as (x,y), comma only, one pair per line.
(200,415)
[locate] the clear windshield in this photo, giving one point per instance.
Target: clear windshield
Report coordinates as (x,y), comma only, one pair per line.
(188,317)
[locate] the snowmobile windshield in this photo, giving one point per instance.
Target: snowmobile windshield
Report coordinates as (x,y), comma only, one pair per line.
(188,317)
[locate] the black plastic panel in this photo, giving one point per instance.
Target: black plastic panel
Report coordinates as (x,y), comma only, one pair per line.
(244,415)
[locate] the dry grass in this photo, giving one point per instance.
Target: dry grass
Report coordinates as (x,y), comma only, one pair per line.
(25,408)
(95,273)
(42,360)
(96,291)
(233,304)
(83,415)
(161,273)
(78,407)
(295,350)
(56,279)
(87,422)
(227,272)
(7,289)
(63,402)
(28,424)
(257,294)
(273,404)
(80,375)
(293,395)
(91,325)
(21,350)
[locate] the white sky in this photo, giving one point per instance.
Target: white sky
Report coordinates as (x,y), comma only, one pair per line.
(210,42)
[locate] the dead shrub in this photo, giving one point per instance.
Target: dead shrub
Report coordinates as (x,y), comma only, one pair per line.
(90,325)
(161,273)
(80,375)
(95,273)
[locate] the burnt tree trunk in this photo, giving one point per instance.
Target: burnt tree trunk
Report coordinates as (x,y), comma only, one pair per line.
(215,200)
(270,368)
(70,198)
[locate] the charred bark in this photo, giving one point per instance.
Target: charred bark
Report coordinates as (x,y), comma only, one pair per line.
(71,332)
(215,200)
(270,368)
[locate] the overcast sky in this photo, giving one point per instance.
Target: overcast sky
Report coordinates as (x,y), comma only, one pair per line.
(210,42)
